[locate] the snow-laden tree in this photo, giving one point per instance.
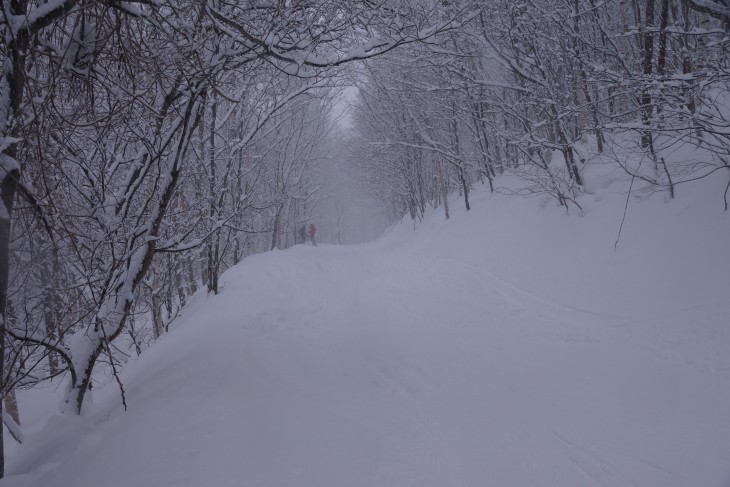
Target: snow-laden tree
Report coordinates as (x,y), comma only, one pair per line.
(538,88)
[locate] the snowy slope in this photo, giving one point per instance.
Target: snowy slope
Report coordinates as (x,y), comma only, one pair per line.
(507,346)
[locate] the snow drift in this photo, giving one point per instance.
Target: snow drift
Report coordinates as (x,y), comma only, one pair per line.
(510,345)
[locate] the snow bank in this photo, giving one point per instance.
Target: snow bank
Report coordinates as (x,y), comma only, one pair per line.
(510,345)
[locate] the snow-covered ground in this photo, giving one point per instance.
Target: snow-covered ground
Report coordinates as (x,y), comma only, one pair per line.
(508,346)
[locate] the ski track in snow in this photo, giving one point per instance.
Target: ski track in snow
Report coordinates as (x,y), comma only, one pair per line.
(372,366)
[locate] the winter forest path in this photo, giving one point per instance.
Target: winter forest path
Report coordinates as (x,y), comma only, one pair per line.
(389,366)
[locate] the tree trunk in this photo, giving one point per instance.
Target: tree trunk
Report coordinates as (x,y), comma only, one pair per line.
(443,190)
(584,79)
(157,322)
(211,268)
(646,105)
(275,229)
(51,308)
(192,282)
(11,406)
(462,169)
(12,81)
(483,143)
(566,149)
(216,261)
(663,22)
(249,246)
(212,264)
(8,188)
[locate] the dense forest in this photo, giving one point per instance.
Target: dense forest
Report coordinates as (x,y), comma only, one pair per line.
(149,145)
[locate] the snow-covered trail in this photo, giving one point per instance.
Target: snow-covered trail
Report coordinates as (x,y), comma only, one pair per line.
(389,365)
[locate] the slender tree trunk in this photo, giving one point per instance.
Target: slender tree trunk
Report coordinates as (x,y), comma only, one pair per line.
(483,143)
(180,281)
(51,308)
(216,260)
(210,268)
(584,79)
(462,169)
(646,99)
(443,190)
(212,265)
(663,23)
(192,282)
(11,89)
(203,261)
(237,248)
(249,246)
(169,302)
(275,229)
(11,406)
(566,149)
(684,51)
(8,188)
(157,322)
(419,179)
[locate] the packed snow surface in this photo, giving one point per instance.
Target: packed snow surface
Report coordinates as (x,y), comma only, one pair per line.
(507,346)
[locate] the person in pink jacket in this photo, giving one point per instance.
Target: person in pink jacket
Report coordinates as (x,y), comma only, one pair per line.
(311,231)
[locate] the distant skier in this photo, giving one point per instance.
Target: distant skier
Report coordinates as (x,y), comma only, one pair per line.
(302,234)
(311,230)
